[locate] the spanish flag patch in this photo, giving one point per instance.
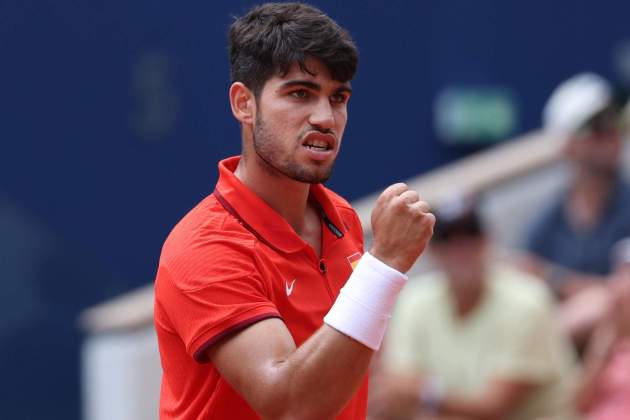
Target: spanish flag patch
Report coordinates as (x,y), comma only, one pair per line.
(354,259)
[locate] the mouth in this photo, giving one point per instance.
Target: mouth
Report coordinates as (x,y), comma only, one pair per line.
(319,142)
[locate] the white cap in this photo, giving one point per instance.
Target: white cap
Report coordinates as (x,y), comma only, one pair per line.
(575,101)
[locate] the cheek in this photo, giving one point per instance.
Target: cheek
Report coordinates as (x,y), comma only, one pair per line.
(341,118)
(614,148)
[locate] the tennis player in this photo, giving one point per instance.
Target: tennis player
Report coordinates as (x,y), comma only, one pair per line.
(266,304)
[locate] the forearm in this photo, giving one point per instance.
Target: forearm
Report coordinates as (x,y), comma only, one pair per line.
(405,396)
(597,356)
(336,357)
(473,409)
(499,399)
(563,281)
(318,378)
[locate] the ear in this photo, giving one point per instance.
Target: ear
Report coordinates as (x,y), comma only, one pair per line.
(243,103)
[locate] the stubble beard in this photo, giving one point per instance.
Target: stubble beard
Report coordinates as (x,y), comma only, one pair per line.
(277,163)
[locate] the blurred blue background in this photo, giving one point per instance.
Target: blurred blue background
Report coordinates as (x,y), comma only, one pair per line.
(115,113)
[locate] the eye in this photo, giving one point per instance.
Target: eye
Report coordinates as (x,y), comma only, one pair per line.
(339,98)
(299,94)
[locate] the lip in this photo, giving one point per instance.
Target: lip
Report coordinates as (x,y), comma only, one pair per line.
(329,139)
(320,155)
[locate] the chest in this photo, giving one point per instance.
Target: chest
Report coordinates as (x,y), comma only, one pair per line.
(303,285)
(466,354)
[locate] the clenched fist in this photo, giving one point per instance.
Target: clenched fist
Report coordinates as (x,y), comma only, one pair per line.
(402,227)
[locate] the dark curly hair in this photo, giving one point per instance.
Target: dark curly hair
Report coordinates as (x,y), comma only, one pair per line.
(272,37)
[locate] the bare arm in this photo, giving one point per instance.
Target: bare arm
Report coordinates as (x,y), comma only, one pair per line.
(563,281)
(400,398)
(614,327)
(597,357)
(281,381)
(318,378)
(499,400)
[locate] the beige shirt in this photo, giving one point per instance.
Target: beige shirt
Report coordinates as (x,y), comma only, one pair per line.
(510,335)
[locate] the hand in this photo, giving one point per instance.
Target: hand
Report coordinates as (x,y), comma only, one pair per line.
(402,226)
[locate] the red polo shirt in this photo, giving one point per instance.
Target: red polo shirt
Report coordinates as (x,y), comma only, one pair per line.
(233,261)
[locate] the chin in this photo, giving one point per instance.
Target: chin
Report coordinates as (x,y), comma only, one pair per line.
(317,175)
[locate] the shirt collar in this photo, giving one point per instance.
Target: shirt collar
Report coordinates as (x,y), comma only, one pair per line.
(263,221)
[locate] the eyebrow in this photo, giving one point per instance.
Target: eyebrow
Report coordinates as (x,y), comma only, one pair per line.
(313,86)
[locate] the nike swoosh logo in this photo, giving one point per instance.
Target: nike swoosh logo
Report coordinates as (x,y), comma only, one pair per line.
(289,287)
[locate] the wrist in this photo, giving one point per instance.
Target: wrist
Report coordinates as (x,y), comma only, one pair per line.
(365,303)
(391,261)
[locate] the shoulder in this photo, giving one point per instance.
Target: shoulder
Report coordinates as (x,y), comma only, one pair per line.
(206,244)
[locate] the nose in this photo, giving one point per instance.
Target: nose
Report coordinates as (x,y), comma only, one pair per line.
(322,115)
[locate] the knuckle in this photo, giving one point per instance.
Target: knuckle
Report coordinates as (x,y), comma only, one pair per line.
(398,202)
(429,218)
(412,196)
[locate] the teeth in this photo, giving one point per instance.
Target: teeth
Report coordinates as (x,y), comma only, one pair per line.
(318,143)
(311,146)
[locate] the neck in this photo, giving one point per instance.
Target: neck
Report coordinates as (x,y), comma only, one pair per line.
(466,297)
(588,198)
(595,187)
(286,196)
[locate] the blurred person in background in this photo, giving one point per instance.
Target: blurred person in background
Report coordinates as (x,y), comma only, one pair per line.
(474,340)
(604,393)
(570,243)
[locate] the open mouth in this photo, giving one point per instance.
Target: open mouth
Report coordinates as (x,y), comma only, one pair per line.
(318,146)
(319,142)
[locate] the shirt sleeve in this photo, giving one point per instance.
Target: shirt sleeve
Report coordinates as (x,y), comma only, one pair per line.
(209,292)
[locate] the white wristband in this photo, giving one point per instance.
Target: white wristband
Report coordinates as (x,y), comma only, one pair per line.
(365,304)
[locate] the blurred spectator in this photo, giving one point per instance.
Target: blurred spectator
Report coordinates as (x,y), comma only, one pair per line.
(605,390)
(571,242)
(475,340)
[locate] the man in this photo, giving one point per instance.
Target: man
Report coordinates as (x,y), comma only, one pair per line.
(251,316)
(474,340)
(571,242)
(604,391)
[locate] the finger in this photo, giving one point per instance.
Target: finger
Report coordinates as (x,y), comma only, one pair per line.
(395,189)
(422,206)
(410,197)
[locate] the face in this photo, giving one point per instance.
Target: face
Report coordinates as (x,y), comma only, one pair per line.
(300,120)
(597,152)
(462,257)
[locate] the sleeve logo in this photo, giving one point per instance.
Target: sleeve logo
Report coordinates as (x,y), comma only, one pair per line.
(354,259)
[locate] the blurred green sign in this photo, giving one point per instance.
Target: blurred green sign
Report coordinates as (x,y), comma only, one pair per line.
(475,114)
